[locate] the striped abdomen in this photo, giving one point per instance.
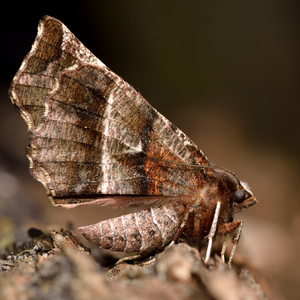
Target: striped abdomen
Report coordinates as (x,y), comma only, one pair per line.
(144,231)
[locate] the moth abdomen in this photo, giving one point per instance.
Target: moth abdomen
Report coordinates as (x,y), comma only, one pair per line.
(145,231)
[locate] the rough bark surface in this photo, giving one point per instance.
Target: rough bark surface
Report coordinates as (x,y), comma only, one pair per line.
(59,266)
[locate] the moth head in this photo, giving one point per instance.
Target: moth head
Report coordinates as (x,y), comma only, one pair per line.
(230,186)
(243,197)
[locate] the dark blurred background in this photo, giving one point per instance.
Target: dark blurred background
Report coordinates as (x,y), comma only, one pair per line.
(224,72)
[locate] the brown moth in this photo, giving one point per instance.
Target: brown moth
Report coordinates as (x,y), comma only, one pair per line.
(94,139)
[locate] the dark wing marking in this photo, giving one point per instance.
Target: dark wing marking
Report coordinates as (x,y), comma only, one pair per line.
(91,134)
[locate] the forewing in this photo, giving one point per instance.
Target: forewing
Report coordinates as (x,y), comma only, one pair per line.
(92,136)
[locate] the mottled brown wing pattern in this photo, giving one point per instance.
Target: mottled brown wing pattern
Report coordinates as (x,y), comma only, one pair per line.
(91,133)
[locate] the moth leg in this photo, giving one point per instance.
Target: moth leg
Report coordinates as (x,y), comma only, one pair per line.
(175,237)
(179,230)
(235,241)
(169,245)
(226,229)
(146,263)
(127,258)
(212,231)
(224,246)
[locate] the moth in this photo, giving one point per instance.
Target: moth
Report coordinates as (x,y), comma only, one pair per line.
(95,140)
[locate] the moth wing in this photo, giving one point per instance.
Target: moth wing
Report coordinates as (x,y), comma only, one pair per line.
(92,136)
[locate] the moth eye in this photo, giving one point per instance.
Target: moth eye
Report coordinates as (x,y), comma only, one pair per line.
(239,196)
